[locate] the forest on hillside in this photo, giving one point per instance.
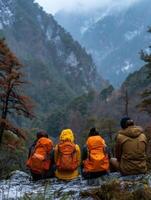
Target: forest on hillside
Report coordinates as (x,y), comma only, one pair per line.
(93,109)
(50,83)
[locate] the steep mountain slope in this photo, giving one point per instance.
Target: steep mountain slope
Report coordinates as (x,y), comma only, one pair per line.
(113,39)
(129,95)
(104,110)
(57,66)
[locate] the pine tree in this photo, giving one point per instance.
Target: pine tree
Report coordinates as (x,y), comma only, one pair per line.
(12,98)
(145,104)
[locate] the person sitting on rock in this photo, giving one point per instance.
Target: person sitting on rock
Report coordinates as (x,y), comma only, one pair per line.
(95,161)
(130,149)
(40,158)
(67,156)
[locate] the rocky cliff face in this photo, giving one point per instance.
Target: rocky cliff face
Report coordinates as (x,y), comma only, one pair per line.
(58,67)
(113,38)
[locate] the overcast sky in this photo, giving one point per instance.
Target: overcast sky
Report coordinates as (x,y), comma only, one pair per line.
(52,6)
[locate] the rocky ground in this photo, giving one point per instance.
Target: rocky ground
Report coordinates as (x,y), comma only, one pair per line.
(108,187)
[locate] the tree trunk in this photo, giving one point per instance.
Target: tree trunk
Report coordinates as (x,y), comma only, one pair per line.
(2,127)
(3,118)
(126,99)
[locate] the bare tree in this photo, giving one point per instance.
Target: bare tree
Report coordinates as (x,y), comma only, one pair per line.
(125,100)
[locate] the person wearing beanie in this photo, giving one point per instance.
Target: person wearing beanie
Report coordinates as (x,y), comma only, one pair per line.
(42,145)
(95,162)
(67,156)
(130,149)
(39,135)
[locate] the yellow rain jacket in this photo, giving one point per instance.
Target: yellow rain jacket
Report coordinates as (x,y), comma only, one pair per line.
(67,135)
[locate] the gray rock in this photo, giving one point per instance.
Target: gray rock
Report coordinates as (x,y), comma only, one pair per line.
(20,185)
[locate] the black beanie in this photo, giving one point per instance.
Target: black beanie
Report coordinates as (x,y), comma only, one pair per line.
(123,122)
(93,132)
(42,133)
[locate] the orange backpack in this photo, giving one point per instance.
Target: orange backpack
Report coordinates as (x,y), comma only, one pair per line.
(97,161)
(67,156)
(39,161)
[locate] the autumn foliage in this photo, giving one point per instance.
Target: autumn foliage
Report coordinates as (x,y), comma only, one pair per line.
(12,98)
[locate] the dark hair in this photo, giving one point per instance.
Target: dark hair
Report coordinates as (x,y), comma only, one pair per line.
(42,133)
(130,122)
(93,132)
(125,122)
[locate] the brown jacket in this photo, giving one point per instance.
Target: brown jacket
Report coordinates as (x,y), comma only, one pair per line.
(131,150)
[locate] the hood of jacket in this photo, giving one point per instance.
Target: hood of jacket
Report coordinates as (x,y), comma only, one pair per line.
(131,131)
(67,134)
